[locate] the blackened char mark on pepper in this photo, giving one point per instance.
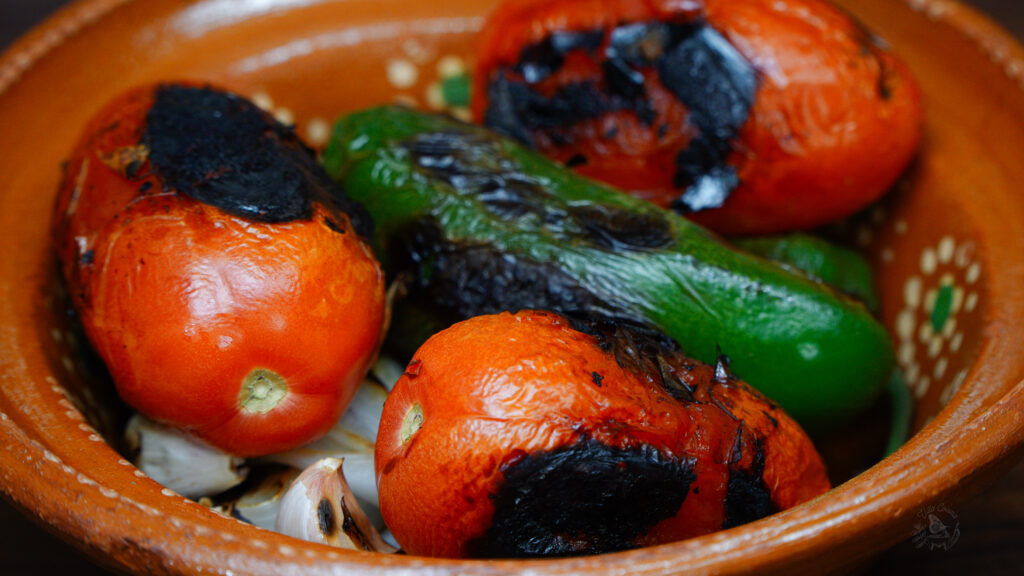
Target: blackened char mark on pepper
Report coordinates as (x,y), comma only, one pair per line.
(746,496)
(621,230)
(460,281)
(586,498)
(222,150)
(476,167)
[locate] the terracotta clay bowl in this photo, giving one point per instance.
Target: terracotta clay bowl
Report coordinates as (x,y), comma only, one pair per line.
(948,248)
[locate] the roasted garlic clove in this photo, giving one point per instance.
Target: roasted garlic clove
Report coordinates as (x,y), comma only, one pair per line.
(261,505)
(182,462)
(320,507)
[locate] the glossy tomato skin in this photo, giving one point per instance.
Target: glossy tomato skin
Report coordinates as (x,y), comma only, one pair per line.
(518,435)
(249,323)
(750,116)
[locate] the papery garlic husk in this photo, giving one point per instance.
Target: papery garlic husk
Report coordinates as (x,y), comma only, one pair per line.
(355,433)
(320,507)
(180,461)
(386,372)
(261,505)
(389,539)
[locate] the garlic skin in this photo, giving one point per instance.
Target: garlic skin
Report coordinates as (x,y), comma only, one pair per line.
(261,505)
(386,372)
(355,433)
(320,507)
(182,462)
(352,439)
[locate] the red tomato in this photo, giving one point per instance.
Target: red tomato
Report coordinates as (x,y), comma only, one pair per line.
(215,271)
(750,116)
(518,435)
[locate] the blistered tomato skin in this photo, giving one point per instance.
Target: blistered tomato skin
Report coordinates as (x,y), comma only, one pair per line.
(519,435)
(227,295)
(750,116)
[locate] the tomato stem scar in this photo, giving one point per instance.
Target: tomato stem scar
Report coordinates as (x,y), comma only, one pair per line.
(262,390)
(412,423)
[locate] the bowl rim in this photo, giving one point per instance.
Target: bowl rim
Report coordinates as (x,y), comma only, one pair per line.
(779,540)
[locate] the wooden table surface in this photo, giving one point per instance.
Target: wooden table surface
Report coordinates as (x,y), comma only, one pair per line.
(991,526)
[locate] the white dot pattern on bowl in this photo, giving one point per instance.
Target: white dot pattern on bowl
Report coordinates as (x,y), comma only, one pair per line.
(107,492)
(932,301)
(318,132)
(402,74)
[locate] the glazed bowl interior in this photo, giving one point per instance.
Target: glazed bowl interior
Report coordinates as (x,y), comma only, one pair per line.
(946,246)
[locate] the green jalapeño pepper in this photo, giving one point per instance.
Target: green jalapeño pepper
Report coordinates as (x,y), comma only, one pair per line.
(480,225)
(841,268)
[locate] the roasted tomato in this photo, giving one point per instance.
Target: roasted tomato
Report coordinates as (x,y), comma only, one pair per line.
(219,273)
(751,116)
(525,435)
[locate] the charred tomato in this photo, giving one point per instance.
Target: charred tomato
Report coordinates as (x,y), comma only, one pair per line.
(521,435)
(750,116)
(216,269)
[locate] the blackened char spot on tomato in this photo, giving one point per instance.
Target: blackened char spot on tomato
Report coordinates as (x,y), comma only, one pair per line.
(516,110)
(669,371)
(597,379)
(507,101)
(722,371)
(540,60)
(693,61)
(476,167)
(737,446)
(622,79)
(718,86)
(333,224)
(747,497)
(886,75)
(576,160)
(871,47)
(585,498)
(222,150)
(704,191)
(643,350)
(710,76)
(132,169)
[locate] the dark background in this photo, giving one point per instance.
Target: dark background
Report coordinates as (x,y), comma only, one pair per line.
(991,525)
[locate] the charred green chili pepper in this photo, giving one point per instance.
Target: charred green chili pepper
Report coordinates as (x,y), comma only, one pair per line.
(839,267)
(480,225)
